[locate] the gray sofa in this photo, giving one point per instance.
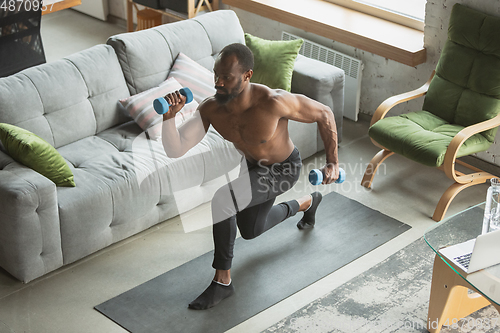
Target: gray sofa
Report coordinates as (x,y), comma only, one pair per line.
(124,182)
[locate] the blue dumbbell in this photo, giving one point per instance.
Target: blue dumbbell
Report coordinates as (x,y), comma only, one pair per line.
(161,106)
(316,176)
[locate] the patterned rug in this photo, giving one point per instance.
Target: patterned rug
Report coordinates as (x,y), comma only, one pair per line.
(391,297)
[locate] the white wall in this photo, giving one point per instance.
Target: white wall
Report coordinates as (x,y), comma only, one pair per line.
(118,8)
(95,8)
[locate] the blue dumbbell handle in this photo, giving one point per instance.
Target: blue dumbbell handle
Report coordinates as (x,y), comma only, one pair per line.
(316,176)
(161,105)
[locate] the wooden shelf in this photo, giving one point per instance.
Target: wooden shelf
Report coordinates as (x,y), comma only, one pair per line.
(60,5)
(193,10)
(347,26)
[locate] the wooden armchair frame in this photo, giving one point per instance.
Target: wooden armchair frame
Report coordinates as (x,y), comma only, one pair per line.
(461,180)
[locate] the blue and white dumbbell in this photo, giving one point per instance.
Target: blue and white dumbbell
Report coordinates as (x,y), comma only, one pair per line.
(316,176)
(161,105)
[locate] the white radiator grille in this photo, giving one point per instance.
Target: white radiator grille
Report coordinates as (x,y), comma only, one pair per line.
(351,66)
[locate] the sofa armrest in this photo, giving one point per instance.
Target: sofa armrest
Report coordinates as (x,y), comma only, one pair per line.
(30,238)
(323,83)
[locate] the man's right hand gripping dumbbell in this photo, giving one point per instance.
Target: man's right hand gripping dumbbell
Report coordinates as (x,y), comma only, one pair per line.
(162,104)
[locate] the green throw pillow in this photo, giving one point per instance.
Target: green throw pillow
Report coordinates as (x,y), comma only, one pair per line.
(36,153)
(274,61)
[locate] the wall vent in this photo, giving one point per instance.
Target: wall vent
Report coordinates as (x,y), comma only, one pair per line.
(351,66)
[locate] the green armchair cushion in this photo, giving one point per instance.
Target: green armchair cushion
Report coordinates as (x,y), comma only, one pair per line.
(466,87)
(423,137)
(273,61)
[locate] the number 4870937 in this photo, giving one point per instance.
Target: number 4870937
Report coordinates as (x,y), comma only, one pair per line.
(26,5)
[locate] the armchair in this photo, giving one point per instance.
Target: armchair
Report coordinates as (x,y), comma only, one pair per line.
(461,109)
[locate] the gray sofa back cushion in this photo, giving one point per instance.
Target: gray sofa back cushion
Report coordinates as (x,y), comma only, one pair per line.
(146,56)
(68,99)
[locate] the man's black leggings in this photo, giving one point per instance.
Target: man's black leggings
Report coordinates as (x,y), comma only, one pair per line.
(248,202)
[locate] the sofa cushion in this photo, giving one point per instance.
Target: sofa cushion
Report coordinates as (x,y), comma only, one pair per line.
(68,99)
(194,76)
(273,61)
(189,38)
(223,27)
(200,38)
(105,85)
(109,202)
(140,108)
(144,69)
(130,184)
(34,152)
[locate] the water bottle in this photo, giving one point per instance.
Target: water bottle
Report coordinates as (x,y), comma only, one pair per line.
(491,221)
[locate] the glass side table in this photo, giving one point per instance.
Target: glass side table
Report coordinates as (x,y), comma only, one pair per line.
(450,299)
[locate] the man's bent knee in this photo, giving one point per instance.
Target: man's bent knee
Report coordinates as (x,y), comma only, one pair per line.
(247,235)
(222,205)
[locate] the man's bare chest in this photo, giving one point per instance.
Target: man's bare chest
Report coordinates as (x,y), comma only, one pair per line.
(246,128)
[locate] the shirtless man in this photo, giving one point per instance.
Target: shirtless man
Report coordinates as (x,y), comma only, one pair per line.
(255,119)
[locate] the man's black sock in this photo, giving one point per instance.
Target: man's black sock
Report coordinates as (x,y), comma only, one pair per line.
(212,296)
(309,218)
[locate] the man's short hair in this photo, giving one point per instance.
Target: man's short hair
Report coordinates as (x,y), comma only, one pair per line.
(242,53)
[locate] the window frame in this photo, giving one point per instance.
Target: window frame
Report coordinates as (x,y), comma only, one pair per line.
(350,27)
(380,13)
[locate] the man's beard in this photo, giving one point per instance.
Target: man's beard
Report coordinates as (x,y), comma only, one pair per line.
(224,98)
(228,96)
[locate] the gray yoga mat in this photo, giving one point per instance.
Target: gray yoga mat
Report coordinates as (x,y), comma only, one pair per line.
(265,271)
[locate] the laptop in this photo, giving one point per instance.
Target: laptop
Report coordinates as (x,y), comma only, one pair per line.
(475,254)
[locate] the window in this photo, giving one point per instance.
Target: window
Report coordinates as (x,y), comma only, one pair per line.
(410,13)
(380,36)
